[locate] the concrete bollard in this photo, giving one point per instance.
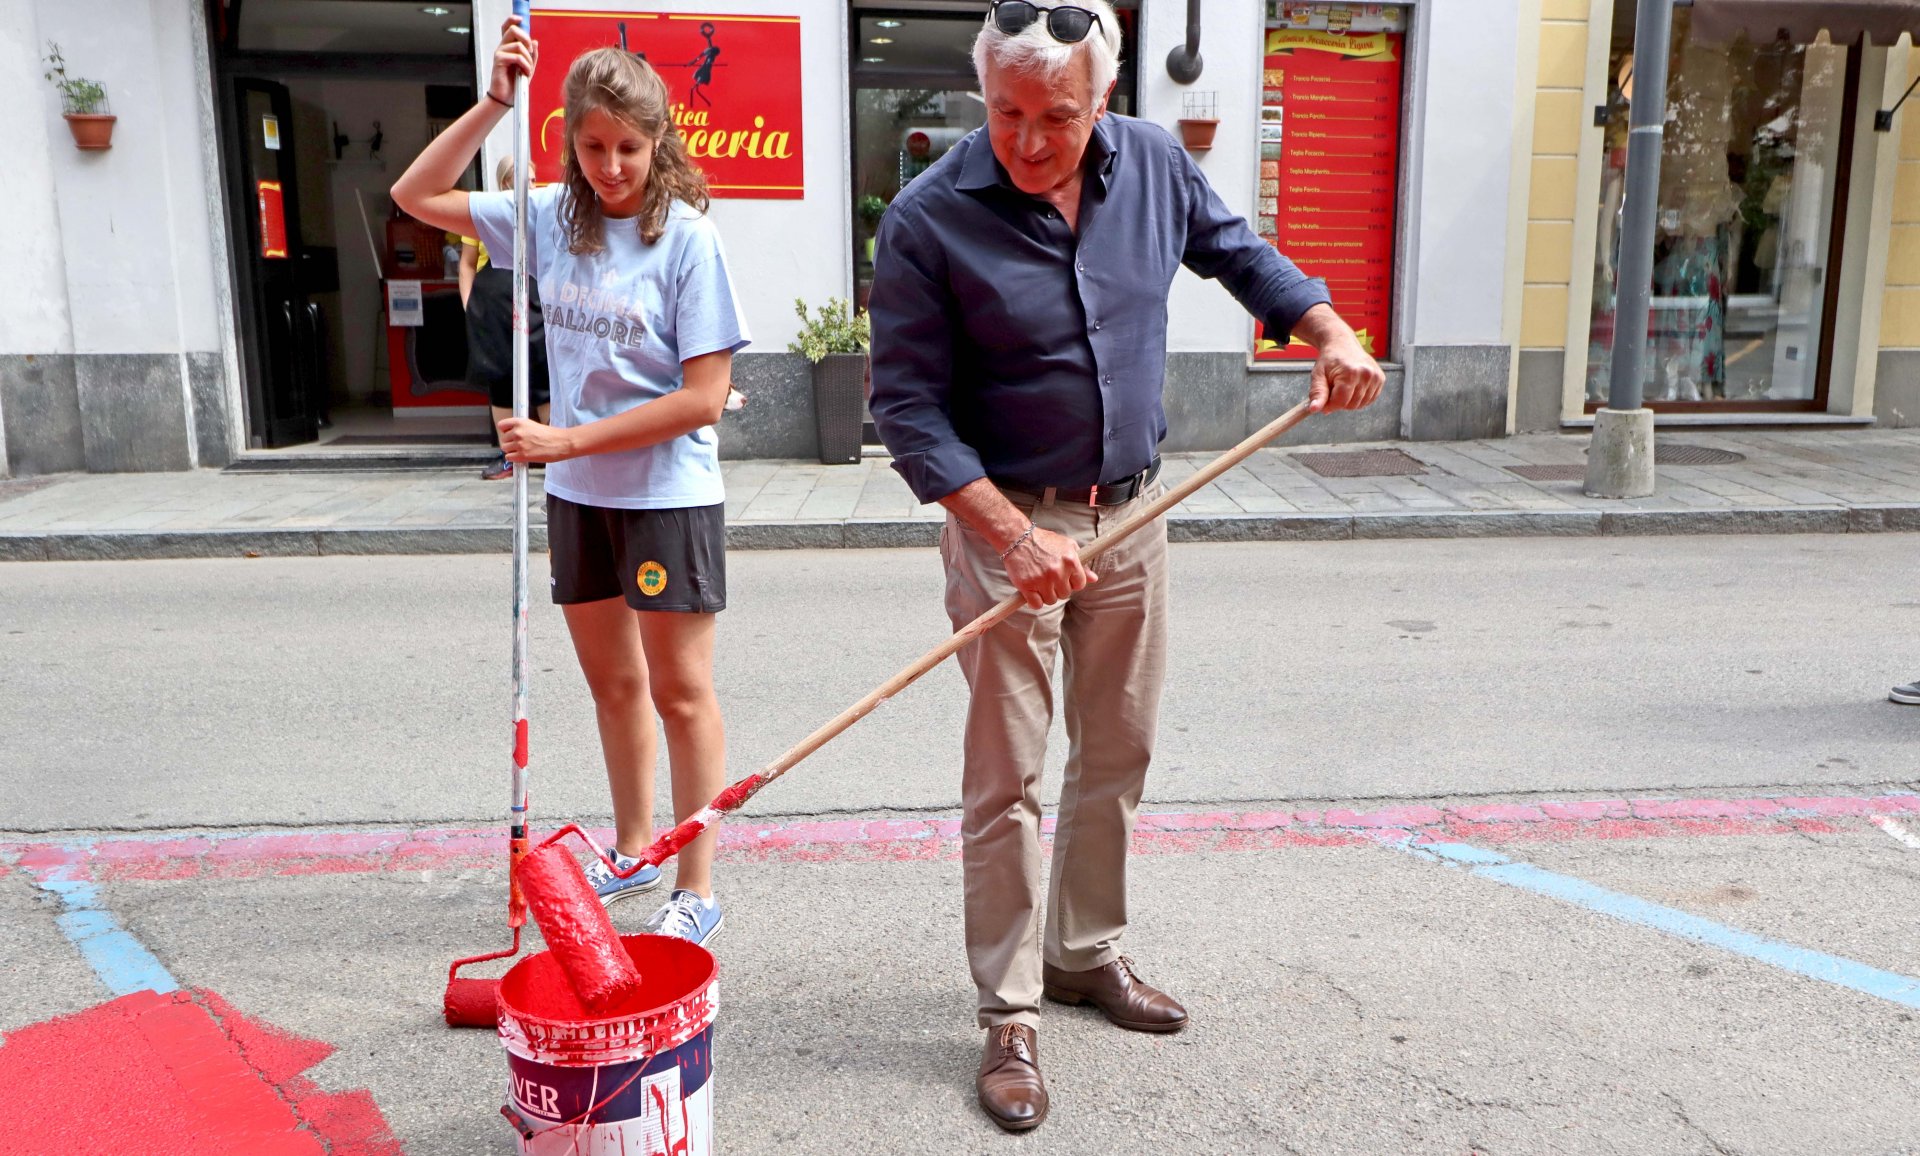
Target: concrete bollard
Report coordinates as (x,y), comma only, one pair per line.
(1620,457)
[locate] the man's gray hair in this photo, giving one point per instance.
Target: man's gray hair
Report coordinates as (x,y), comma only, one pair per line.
(1037,53)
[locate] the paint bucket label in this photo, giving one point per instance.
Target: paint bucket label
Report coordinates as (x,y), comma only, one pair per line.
(661,1106)
(627,1085)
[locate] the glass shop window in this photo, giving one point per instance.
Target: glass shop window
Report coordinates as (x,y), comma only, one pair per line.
(1749,193)
(915,96)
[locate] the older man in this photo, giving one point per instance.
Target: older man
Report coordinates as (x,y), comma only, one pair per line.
(1019,345)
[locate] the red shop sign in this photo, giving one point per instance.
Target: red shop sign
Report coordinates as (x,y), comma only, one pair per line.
(1329,172)
(735,82)
(273,220)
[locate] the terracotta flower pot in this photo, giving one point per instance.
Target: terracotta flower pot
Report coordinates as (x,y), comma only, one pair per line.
(1197,135)
(91,130)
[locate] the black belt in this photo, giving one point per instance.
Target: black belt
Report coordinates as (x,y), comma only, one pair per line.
(1117,493)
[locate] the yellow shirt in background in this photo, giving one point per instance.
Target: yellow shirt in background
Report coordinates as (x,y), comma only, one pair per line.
(475,242)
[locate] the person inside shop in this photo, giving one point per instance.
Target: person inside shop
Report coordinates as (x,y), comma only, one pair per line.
(486,289)
(1019,311)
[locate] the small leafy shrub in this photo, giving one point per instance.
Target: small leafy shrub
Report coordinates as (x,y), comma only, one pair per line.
(834,328)
(77,96)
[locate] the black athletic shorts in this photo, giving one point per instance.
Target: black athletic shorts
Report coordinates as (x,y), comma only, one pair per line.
(672,560)
(490,339)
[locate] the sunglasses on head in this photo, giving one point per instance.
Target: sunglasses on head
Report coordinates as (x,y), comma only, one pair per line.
(1065,23)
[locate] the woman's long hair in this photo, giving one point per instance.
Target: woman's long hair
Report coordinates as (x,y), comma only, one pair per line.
(628,89)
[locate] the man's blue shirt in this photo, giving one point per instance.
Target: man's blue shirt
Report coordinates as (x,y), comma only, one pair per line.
(1007,346)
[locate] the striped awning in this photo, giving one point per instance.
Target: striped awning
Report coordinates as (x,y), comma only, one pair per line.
(1719,21)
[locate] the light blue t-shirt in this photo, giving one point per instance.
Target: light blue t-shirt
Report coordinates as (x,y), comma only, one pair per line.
(619,323)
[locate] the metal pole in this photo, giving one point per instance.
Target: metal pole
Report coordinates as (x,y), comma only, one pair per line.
(522,386)
(1646,121)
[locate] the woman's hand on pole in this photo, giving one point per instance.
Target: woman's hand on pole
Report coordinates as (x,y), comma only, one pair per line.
(517,55)
(430,189)
(524,440)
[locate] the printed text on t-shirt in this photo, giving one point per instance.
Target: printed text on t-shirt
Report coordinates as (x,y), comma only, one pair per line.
(601,312)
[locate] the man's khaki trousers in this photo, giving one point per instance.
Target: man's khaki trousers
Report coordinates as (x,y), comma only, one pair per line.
(1112,638)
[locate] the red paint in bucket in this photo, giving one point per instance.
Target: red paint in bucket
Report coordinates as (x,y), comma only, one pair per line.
(635,1082)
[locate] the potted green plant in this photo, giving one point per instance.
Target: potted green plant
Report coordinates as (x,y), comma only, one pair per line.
(834,338)
(83,102)
(871,209)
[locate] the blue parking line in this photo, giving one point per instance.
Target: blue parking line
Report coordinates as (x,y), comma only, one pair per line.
(1891,986)
(117,958)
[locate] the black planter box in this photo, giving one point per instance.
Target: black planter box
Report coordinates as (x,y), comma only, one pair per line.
(839,405)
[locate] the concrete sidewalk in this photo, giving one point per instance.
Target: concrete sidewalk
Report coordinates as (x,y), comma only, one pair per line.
(1785,481)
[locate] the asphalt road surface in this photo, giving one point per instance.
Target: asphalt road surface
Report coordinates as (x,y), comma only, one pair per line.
(1507,847)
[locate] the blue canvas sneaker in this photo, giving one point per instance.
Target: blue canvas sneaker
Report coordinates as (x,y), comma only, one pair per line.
(1909,694)
(612,888)
(687,916)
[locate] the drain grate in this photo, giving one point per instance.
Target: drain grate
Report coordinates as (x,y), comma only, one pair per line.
(1684,455)
(1362,464)
(1572,473)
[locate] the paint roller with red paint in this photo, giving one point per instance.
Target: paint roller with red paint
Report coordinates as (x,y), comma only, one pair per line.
(735,796)
(470,1002)
(577,929)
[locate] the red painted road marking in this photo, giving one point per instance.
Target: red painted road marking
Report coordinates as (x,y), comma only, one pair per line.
(173,1075)
(256,855)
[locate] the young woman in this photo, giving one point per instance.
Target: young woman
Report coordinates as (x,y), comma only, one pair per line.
(641,328)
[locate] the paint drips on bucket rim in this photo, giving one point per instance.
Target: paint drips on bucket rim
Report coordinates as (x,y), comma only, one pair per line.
(679,997)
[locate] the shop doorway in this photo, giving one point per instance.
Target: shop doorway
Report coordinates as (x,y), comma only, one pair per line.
(352,330)
(286,378)
(915,96)
(1753,194)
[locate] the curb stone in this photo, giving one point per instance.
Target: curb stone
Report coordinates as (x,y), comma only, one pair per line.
(1742,520)
(1882,517)
(1261,528)
(1481,524)
(919,533)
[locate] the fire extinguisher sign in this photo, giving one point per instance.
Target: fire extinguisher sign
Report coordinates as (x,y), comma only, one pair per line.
(273,220)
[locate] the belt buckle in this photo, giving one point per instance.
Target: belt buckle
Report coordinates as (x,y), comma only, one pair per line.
(1093,495)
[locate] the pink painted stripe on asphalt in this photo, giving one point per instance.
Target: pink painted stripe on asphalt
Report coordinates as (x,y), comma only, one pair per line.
(263,854)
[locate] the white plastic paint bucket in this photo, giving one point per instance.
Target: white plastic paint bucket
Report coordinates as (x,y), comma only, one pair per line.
(637,1084)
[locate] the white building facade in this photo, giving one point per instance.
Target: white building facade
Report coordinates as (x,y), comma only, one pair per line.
(138,329)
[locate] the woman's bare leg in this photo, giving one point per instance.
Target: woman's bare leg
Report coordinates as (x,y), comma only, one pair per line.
(607,641)
(679,657)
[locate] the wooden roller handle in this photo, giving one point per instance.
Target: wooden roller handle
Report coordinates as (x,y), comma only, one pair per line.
(1001,612)
(735,796)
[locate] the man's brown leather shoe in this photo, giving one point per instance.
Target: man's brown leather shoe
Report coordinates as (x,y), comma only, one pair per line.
(1126,999)
(1011,1088)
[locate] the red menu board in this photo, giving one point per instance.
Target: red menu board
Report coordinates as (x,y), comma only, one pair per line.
(735,82)
(1329,171)
(273,219)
